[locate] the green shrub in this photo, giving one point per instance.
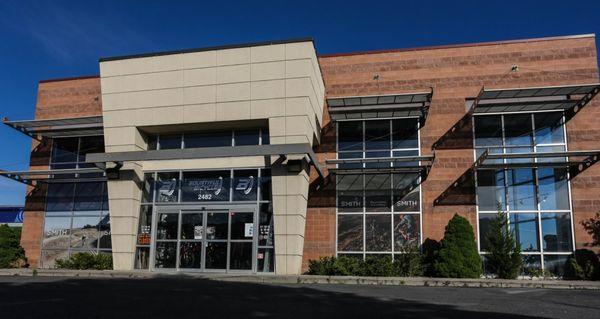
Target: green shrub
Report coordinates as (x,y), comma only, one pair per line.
(84,261)
(377,266)
(331,266)
(458,256)
(407,264)
(584,264)
(430,248)
(11,253)
(504,254)
(410,263)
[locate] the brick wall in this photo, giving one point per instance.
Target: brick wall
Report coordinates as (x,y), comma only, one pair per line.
(455,74)
(55,99)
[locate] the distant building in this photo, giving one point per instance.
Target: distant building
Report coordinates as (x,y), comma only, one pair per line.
(11,215)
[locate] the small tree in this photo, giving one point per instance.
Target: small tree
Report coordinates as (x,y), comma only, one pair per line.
(11,253)
(458,256)
(504,254)
(592,226)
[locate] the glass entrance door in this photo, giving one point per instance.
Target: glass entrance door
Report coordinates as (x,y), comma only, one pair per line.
(205,240)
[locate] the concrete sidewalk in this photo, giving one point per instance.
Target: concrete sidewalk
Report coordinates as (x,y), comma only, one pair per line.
(309,279)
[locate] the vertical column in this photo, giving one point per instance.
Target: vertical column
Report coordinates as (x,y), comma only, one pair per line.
(290,193)
(124,195)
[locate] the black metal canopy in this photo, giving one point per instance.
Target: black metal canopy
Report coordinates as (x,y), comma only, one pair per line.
(462,190)
(534,99)
(568,98)
(67,127)
(58,175)
(405,164)
(380,106)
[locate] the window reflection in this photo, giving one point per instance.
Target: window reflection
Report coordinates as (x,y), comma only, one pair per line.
(525,230)
(521,189)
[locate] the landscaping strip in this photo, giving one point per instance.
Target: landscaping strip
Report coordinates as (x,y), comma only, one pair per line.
(308,279)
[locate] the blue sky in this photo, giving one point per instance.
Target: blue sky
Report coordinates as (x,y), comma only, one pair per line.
(55,39)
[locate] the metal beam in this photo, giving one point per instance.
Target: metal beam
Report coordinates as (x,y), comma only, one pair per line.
(209,152)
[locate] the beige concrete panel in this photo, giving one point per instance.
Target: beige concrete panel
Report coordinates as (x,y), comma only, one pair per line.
(294,139)
(279,186)
(280,243)
(233,73)
(298,125)
(277,140)
(199,59)
(295,225)
(123,225)
(122,148)
(262,109)
(122,243)
(293,265)
(297,185)
(121,118)
(298,106)
(141,65)
(266,53)
(204,76)
(166,115)
(122,261)
(280,264)
(298,87)
(120,136)
(299,50)
(231,111)
(123,190)
(233,92)
(205,163)
(299,68)
(294,245)
(200,94)
(142,99)
(233,56)
(270,89)
(124,207)
(276,128)
(200,113)
(141,82)
(267,71)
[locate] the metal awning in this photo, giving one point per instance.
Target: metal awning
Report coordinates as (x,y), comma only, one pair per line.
(576,161)
(463,190)
(568,98)
(405,164)
(53,128)
(64,175)
(282,150)
(380,106)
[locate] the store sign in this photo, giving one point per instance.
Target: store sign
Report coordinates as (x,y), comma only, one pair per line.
(245,185)
(206,188)
(167,188)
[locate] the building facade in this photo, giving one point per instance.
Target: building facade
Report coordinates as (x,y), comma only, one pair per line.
(257,158)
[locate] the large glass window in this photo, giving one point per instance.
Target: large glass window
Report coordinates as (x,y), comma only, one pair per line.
(241,137)
(229,238)
(76,214)
(377,213)
(536,199)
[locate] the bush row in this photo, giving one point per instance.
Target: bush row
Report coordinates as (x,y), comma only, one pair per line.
(12,254)
(86,261)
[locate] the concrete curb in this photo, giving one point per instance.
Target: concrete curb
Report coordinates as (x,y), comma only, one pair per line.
(309,279)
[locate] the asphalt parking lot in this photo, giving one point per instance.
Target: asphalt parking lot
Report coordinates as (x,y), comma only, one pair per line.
(179,297)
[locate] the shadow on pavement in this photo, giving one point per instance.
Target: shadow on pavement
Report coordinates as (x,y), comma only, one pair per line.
(180,297)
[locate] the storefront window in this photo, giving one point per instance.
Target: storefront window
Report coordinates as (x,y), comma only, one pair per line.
(378,214)
(76,216)
(536,199)
(206,239)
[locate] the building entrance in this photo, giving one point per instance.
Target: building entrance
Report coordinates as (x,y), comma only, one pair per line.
(212,240)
